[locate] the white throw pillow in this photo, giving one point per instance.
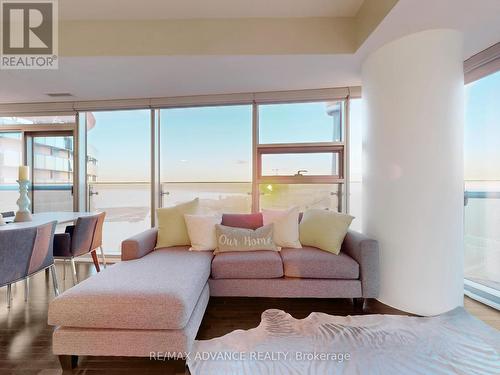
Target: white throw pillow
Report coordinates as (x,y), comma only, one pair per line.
(286,226)
(201,230)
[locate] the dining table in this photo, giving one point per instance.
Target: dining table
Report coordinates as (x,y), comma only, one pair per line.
(45,217)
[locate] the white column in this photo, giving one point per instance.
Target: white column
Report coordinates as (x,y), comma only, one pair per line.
(413,91)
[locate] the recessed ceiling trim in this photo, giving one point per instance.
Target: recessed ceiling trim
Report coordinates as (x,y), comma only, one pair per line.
(181,101)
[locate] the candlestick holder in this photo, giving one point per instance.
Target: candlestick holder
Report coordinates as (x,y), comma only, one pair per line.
(23,214)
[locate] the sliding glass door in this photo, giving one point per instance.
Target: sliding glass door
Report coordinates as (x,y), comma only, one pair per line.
(119,171)
(482,185)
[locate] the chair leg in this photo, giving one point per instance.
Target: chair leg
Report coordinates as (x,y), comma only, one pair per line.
(103,257)
(54,279)
(9,295)
(26,289)
(95,260)
(73,269)
(64,270)
(68,362)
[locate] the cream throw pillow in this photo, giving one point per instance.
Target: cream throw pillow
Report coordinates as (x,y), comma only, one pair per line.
(201,230)
(172,230)
(324,229)
(286,226)
(242,239)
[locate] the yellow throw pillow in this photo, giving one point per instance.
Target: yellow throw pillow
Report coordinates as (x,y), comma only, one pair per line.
(172,230)
(324,229)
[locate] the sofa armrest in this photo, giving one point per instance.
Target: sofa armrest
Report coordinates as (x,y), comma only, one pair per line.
(365,251)
(139,245)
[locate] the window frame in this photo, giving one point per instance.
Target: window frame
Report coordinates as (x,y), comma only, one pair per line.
(300,148)
(338,147)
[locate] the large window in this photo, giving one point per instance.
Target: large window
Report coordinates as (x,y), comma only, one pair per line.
(206,152)
(482,185)
(254,154)
(119,171)
(300,155)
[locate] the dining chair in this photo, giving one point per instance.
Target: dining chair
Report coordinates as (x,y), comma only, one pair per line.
(24,252)
(76,241)
(97,240)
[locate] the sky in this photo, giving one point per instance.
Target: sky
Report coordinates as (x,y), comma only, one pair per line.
(482,129)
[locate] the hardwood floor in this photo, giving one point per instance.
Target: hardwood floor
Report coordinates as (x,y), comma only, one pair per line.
(25,337)
(481,311)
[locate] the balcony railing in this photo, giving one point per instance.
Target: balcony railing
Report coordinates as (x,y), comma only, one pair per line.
(482,246)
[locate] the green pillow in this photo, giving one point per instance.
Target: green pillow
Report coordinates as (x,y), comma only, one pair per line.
(324,229)
(172,229)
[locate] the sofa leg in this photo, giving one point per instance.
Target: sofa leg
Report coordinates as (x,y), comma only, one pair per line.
(358,303)
(68,362)
(179,366)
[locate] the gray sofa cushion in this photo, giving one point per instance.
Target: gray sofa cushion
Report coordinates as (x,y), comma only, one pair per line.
(313,263)
(157,291)
(260,264)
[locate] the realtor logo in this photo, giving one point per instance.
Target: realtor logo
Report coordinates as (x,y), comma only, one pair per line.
(28,34)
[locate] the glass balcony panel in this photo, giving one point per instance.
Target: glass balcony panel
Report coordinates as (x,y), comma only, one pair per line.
(221,197)
(52,197)
(482,237)
(300,122)
(127,207)
(305,196)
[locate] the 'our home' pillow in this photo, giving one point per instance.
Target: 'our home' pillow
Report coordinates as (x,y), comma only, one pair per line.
(241,239)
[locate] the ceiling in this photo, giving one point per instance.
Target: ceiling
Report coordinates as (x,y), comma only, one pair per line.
(120,77)
(189,9)
(90,78)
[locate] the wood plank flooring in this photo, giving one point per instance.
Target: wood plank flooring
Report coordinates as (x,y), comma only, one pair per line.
(25,337)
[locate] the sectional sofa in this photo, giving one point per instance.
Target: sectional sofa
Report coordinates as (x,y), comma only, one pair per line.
(154,300)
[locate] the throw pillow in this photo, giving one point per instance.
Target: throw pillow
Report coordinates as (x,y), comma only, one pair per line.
(286,226)
(249,221)
(242,239)
(172,230)
(324,229)
(201,230)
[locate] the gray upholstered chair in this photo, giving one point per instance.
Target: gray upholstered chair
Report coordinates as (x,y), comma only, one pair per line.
(24,252)
(76,241)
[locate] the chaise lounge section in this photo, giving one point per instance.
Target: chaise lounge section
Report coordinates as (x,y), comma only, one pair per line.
(154,300)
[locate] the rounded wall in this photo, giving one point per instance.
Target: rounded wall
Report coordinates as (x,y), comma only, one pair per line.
(413,91)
